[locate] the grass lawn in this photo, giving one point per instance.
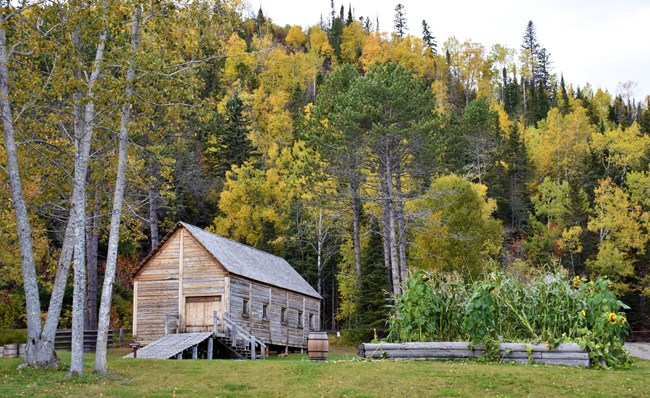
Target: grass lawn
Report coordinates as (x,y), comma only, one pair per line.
(295,376)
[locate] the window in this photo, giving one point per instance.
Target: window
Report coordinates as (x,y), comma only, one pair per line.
(283,316)
(264,312)
(245,310)
(300,319)
(311,322)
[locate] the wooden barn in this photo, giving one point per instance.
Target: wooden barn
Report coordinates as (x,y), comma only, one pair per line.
(193,273)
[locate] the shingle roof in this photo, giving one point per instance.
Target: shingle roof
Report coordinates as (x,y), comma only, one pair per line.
(251,263)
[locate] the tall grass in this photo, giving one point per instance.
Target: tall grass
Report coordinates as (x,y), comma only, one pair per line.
(548,308)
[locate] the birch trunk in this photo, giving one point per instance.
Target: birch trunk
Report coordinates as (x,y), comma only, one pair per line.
(83,139)
(28,267)
(116,214)
(153,216)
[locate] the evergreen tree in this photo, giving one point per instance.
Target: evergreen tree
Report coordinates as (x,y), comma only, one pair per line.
(335,33)
(644,117)
(563,103)
(350,18)
(230,145)
(372,308)
(400,20)
(531,46)
(519,174)
(428,38)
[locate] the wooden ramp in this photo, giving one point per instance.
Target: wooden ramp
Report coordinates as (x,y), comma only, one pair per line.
(170,345)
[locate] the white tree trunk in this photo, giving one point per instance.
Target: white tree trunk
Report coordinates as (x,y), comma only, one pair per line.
(84,128)
(30,283)
(116,214)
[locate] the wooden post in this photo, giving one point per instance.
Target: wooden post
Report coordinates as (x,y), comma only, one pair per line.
(195,352)
(166,324)
(179,355)
(233,343)
(263,349)
(210,347)
(121,335)
(253,348)
(181,271)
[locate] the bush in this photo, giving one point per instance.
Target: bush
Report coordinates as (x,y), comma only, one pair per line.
(13,336)
(549,308)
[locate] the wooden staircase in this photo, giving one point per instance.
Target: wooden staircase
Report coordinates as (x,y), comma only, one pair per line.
(233,339)
(237,340)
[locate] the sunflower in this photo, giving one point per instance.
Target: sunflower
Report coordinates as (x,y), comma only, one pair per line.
(612,318)
(622,320)
(576,281)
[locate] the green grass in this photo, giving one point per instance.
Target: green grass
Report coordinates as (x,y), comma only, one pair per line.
(295,376)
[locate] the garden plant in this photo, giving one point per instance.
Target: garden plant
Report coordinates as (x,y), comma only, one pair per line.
(549,308)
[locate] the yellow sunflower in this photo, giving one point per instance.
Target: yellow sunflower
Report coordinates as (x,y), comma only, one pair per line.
(612,318)
(622,320)
(576,281)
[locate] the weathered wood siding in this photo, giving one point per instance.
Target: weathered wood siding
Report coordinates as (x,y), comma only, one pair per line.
(271,328)
(157,291)
(202,275)
(182,268)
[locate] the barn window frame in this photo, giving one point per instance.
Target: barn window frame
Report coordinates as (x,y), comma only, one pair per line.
(311,322)
(265,312)
(300,322)
(283,316)
(245,311)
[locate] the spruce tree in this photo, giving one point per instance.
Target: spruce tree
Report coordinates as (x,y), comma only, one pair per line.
(372,308)
(428,38)
(350,18)
(232,144)
(400,20)
(563,104)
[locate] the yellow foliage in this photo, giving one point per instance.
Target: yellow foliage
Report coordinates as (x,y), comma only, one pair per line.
(623,148)
(238,59)
(352,42)
(560,145)
(295,37)
(318,42)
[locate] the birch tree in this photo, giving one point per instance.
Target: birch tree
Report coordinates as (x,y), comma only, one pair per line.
(116,213)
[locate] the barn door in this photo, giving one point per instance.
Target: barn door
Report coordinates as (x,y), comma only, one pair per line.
(198,313)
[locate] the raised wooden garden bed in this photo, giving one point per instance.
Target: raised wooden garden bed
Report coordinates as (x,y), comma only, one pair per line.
(568,354)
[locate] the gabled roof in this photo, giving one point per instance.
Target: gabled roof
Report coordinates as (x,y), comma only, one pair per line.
(246,261)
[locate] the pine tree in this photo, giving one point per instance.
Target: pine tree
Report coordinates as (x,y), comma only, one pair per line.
(428,38)
(400,20)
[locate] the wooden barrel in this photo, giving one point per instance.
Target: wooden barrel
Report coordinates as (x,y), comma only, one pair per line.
(21,350)
(317,346)
(11,351)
